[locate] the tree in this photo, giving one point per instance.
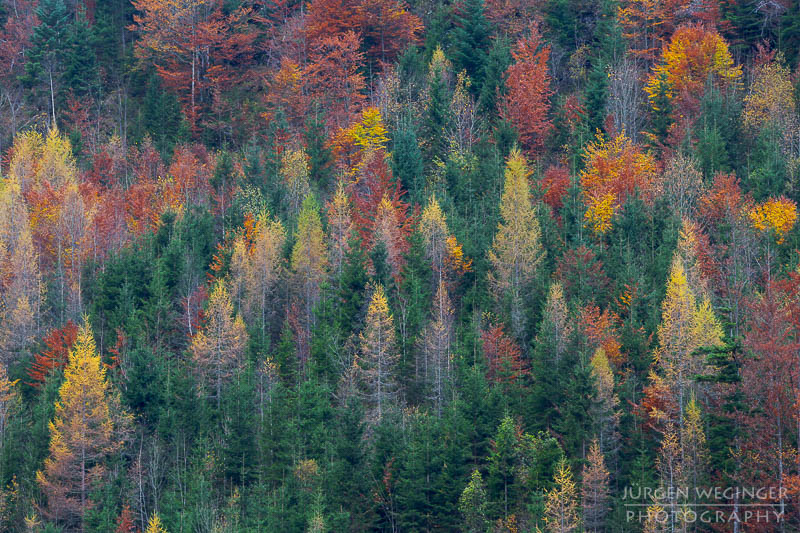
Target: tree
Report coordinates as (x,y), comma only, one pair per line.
(309,261)
(87,428)
(693,55)
(58,342)
(685,326)
(340,227)
(195,45)
(516,250)
(218,348)
(294,171)
(8,403)
(503,356)
(264,266)
(334,80)
(527,100)
(471,40)
(154,525)
(614,170)
(436,349)
(605,405)
(378,357)
(594,490)
(46,55)
(770,98)
(472,504)
(561,503)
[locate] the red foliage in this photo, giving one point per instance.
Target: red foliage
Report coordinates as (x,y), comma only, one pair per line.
(333,78)
(385,26)
(125,521)
(580,269)
(600,330)
(555,183)
(58,342)
(503,356)
(527,101)
(725,200)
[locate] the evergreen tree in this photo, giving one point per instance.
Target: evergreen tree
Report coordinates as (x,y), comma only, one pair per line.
(47,54)
(471,40)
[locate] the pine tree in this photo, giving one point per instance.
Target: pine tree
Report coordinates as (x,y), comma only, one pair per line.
(561,504)
(80,63)
(218,349)
(378,356)
(594,490)
(87,428)
(516,251)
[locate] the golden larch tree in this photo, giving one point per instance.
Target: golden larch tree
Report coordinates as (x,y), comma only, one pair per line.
(594,490)
(517,250)
(310,265)
(218,348)
(88,426)
(378,356)
(561,502)
(340,227)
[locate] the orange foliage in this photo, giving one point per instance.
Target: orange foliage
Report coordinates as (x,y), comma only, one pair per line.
(58,342)
(777,215)
(614,170)
(527,101)
(385,26)
(503,356)
(334,80)
(555,183)
(600,331)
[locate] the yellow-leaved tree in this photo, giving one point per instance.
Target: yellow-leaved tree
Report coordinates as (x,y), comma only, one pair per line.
(218,348)
(340,227)
(517,250)
(89,425)
(561,501)
(686,325)
(154,525)
(378,356)
(294,171)
(310,267)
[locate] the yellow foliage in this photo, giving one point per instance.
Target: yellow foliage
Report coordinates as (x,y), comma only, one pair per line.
(614,169)
(771,97)
(598,214)
(370,134)
(691,56)
(777,215)
(57,164)
(155,525)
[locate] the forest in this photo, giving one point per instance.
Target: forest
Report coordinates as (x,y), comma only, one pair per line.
(482,266)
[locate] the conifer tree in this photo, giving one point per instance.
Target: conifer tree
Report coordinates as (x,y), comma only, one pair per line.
(309,262)
(378,356)
(516,251)
(561,502)
(605,404)
(218,348)
(436,349)
(87,428)
(154,525)
(594,490)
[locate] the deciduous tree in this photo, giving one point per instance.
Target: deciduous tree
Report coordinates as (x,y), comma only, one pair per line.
(378,356)
(527,100)
(218,348)
(88,427)
(516,250)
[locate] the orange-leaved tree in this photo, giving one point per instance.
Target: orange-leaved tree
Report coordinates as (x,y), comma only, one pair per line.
(89,426)
(614,169)
(527,100)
